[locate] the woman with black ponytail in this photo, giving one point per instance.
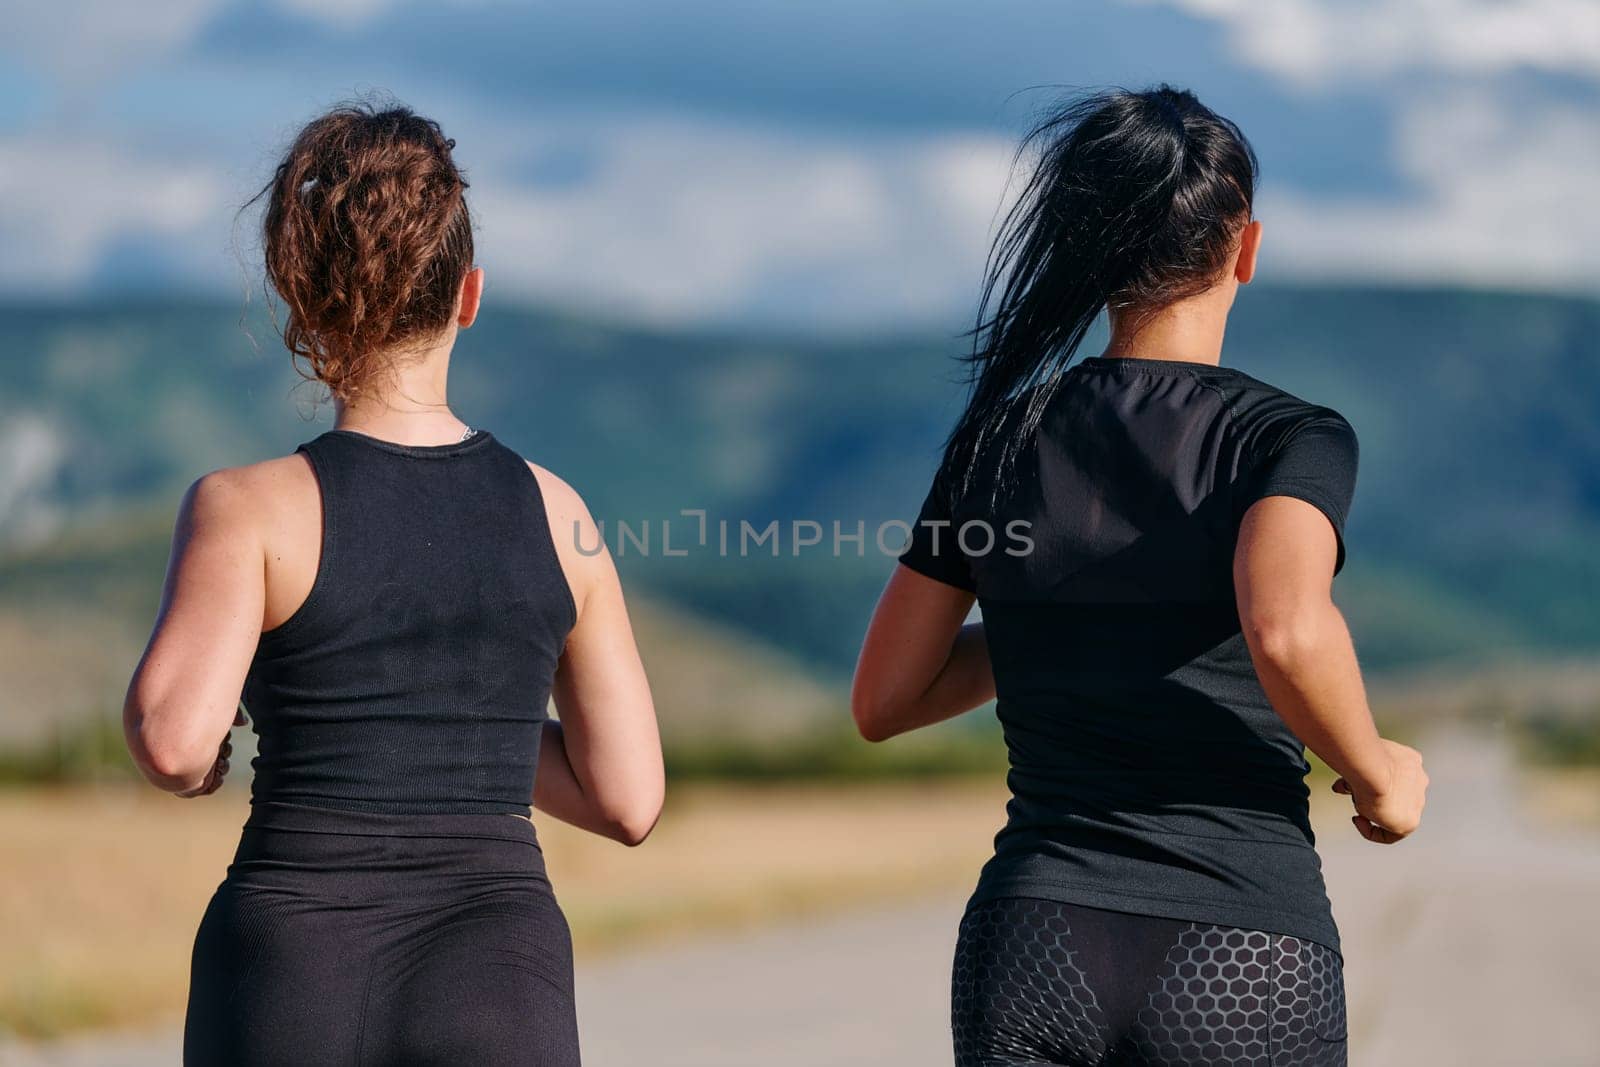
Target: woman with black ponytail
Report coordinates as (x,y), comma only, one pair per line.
(1152,539)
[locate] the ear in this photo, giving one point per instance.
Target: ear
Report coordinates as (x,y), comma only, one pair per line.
(1244,268)
(471,297)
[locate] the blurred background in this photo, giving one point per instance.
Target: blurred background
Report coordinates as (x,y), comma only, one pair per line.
(731,247)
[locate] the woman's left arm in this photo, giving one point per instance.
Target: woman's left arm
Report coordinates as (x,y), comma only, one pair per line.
(921,662)
(185,691)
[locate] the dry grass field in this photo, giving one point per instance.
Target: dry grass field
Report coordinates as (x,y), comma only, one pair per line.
(1566,797)
(102,888)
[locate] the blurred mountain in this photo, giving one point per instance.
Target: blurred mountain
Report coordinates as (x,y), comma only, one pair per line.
(1476,531)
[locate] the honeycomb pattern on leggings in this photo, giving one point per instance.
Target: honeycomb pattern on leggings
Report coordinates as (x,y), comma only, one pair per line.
(1307,1005)
(1223,996)
(1016,990)
(1210,1004)
(1247,999)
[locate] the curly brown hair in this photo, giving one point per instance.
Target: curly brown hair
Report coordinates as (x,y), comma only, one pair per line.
(367,238)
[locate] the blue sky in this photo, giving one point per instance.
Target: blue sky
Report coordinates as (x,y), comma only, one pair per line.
(820,163)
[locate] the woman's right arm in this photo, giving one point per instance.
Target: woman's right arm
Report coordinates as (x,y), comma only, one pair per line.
(921,661)
(1283,575)
(184,695)
(600,767)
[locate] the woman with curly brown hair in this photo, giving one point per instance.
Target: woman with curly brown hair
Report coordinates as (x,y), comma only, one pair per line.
(397,602)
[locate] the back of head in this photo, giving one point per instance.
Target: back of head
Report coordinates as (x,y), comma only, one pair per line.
(367,238)
(1136,201)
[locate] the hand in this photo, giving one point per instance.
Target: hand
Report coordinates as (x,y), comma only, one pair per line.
(1394,812)
(219,770)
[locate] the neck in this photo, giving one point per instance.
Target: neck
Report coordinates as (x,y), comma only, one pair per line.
(1188,331)
(409,406)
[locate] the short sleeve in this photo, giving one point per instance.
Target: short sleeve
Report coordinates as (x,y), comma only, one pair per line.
(1314,461)
(934,550)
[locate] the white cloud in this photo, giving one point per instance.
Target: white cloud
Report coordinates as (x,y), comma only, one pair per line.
(679,220)
(88,43)
(682,219)
(346,14)
(69,198)
(674,219)
(1505,197)
(685,220)
(1316,42)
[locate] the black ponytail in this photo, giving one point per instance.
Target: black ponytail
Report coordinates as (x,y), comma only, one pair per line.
(1135,202)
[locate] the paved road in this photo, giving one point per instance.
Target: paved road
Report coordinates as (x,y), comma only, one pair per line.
(1479,943)
(1474,944)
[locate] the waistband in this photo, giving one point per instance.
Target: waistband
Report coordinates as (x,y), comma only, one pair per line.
(288,816)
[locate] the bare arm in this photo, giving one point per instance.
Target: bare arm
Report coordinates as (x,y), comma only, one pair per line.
(558,793)
(1283,575)
(921,662)
(185,691)
(600,768)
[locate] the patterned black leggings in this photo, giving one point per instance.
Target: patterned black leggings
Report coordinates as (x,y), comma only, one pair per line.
(1038,982)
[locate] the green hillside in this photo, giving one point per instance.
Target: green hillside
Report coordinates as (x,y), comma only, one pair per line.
(1476,531)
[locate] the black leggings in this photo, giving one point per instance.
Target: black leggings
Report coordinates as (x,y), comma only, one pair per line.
(1039,982)
(440,946)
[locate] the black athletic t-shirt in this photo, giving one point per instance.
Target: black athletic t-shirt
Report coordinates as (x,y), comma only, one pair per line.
(1149,774)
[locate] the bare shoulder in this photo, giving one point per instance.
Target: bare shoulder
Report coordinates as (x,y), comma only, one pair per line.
(571,525)
(255,497)
(579,546)
(560,499)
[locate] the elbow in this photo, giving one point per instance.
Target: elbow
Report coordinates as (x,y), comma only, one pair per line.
(632,819)
(873,730)
(632,832)
(633,826)
(874,717)
(1286,641)
(166,757)
(167,766)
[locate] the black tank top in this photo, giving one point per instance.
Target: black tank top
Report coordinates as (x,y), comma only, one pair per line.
(416,676)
